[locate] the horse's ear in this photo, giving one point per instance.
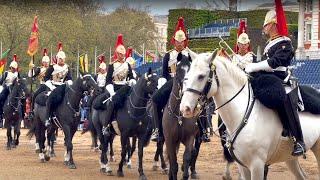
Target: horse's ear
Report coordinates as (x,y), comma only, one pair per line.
(213,55)
(192,54)
(149,71)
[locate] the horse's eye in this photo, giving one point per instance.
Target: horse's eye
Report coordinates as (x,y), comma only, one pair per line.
(201,77)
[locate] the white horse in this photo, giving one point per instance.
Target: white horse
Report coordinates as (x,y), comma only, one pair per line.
(260,141)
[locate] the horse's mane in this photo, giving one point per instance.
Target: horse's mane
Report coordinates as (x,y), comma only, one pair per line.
(236,73)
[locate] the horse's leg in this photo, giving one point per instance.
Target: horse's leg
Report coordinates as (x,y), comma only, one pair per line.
(129,149)
(244,173)
(194,156)
(73,130)
(52,139)
(295,168)
(172,155)
(104,166)
(17,132)
(156,157)
(187,157)
(316,151)
(111,139)
(42,139)
(124,139)
(163,162)
(9,137)
(226,154)
(140,154)
(257,169)
(68,154)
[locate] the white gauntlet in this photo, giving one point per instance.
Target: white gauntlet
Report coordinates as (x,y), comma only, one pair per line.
(110,89)
(50,85)
(132,82)
(260,66)
(161,82)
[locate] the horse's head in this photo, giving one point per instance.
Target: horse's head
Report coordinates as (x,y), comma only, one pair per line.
(182,68)
(19,89)
(195,82)
(87,83)
(149,81)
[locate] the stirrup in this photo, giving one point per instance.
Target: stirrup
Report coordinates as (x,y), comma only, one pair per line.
(303,150)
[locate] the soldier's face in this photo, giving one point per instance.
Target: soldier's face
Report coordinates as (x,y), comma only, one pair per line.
(61,61)
(243,48)
(45,64)
(120,56)
(179,46)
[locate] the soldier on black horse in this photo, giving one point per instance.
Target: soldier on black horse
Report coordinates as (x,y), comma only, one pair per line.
(160,98)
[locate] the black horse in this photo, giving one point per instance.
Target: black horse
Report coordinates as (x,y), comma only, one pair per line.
(133,121)
(67,116)
(13,111)
(178,130)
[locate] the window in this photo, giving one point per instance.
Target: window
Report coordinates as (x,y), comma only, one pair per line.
(308,5)
(308,31)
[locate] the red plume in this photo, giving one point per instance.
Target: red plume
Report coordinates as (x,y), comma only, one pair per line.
(129,53)
(180,26)
(101,59)
(281,19)
(60,46)
(45,52)
(118,42)
(15,57)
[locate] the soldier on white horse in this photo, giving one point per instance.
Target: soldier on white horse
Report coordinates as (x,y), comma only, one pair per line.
(255,130)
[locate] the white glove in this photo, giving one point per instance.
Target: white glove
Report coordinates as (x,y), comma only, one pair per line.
(1,89)
(132,82)
(110,89)
(50,85)
(161,82)
(260,66)
(69,82)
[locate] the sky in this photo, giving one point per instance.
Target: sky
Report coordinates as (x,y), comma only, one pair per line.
(161,7)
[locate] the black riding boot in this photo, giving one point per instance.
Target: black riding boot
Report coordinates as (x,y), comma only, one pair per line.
(106,130)
(155,118)
(49,113)
(1,121)
(290,111)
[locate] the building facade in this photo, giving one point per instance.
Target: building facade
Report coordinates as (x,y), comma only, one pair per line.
(308,30)
(161,26)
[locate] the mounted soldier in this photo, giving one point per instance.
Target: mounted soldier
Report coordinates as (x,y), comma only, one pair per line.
(39,72)
(56,76)
(271,74)
(119,80)
(6,81)
(243,54)
(170,60)
(132,63)
(101,76)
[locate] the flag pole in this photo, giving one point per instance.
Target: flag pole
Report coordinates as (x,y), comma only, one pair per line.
(32,61)
(1,49)
(78,61)
(110,56)
(95,60)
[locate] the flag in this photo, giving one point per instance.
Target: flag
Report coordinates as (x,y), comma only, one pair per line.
(34,38)
(83,63)
(138,57)
(3,61)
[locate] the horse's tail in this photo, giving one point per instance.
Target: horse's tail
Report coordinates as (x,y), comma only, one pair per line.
(32,130)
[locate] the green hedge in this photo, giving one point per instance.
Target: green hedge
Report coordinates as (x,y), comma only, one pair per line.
(197,18)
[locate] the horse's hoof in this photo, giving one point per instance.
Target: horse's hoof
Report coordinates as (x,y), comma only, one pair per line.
(165,171)
(66,163)
(13,146)
(8,148)
(155,168)
(143,177)
(105,171)
(129,166)
(47,158)
(120,174)
(42,160)
(37,151)
(52,154)
(194,176)
(72,166)
(112,159)
(224,177)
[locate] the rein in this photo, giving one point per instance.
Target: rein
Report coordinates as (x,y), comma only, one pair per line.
(76,111)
